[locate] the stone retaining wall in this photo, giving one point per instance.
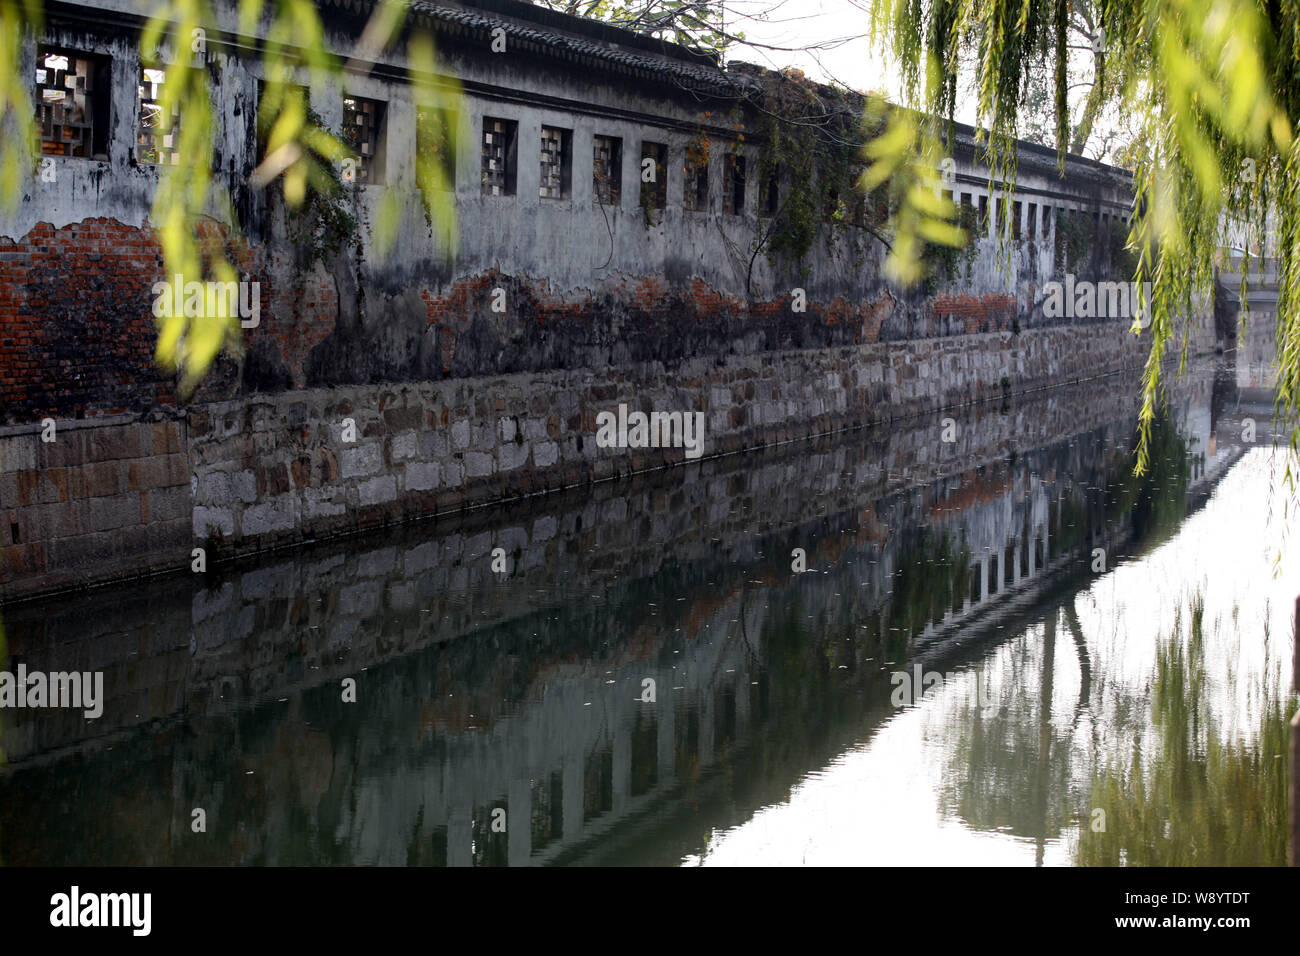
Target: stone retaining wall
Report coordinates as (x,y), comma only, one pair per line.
(114,499)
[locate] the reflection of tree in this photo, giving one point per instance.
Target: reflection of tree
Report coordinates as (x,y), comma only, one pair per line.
(1011,769)
(1016,771)
(1194,799)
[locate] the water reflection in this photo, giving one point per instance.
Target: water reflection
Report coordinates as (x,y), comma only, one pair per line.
(1013,769)
(1181,792)
(511,720)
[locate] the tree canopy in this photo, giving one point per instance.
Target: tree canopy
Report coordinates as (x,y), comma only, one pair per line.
(1213,88)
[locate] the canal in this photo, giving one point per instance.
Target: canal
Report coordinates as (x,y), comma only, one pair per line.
(881,647)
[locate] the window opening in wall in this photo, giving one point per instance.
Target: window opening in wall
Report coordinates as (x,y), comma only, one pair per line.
(655,193)
(267,111)
(831,210)
(499,156)
(435,146)
(363,132)
(695,185)
(556,162)
(607,169)
(156,139)
(1015,220)
(1031,224)
(770,200)
(72,103)
(733,185)
(984,215)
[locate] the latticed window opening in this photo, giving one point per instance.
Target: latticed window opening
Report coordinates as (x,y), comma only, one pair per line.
(72,93)
(607,169)
(498,157)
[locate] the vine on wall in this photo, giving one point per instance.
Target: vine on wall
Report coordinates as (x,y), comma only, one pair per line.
(952,262)
(325,223)
(695,170)
(1072,239)
(812,138)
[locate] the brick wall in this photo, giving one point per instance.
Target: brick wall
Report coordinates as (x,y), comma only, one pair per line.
(76,328)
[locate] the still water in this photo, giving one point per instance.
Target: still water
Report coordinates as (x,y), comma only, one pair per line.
(1006,649)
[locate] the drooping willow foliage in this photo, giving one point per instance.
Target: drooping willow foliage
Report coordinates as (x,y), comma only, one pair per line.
(1216,86)
(299,156)
(700,24)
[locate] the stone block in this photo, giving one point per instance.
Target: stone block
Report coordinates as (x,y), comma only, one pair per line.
(512,455)
(421,476)
(433,444)
(243,486)
(377,491)
(18,453)
(106,514)
(319,503)
(95,480)
(212,522)
(360,461)
(404,446)
(166,504)
(164,438)
(546,454)
(278,514)
(166,471)
(115,442)
(478,464)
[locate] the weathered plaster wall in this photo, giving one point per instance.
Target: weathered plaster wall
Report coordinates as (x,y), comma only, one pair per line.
(588,285)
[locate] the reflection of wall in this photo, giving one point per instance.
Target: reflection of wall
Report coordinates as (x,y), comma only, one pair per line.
(1255,355)
(1257,352)
(476,693)
(256,632)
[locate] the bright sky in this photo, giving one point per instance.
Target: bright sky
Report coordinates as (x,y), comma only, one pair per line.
(839,28)
(844,52)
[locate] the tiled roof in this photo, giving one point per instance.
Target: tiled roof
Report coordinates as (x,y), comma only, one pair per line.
(582,42)
(593,44)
